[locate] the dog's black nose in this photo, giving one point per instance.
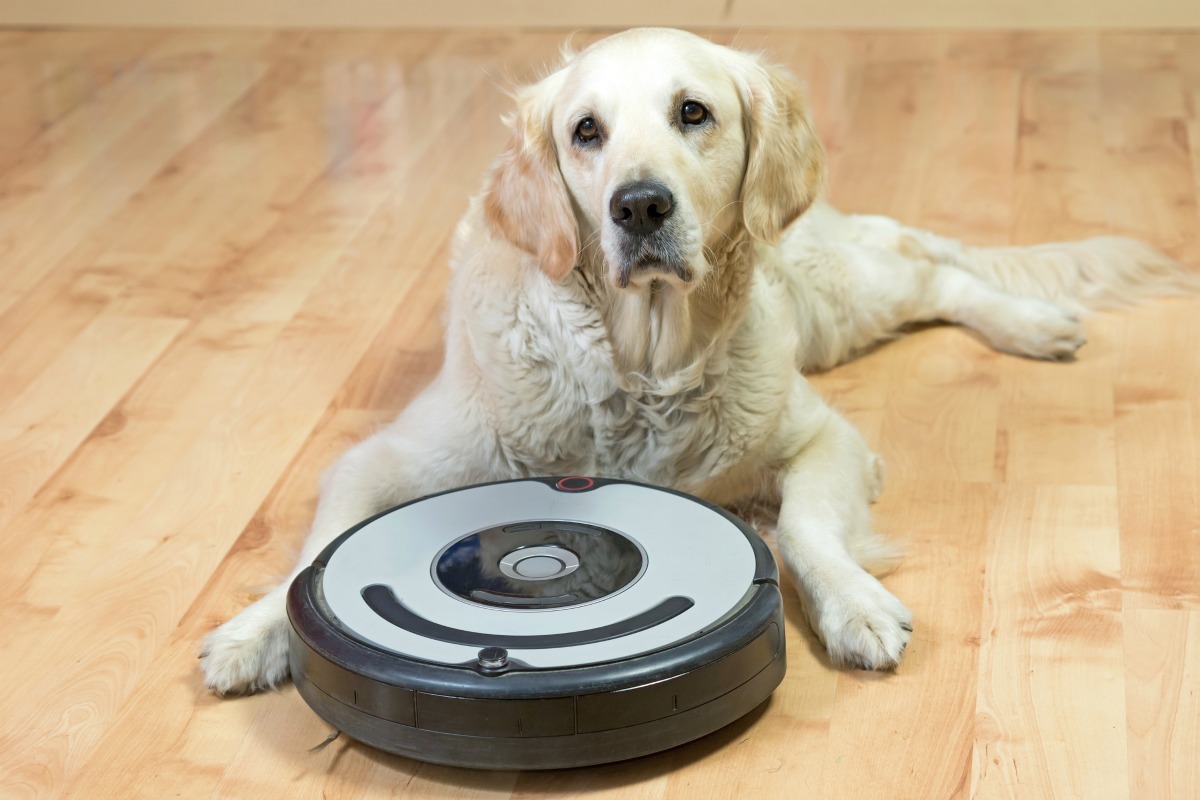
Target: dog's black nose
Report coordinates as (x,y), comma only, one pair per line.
(641,207)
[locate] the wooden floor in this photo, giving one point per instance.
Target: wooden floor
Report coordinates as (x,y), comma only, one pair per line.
(221,261)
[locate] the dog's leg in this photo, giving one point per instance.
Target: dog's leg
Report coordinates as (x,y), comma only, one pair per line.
(891,290)
(903,275)
(416,456)
(1023,300)
(826,491)
(1011,323)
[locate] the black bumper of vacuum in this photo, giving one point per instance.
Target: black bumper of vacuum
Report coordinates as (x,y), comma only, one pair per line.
(535,719)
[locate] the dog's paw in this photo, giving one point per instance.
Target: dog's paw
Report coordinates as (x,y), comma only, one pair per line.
(864,626)
(1027,326)
(248,653)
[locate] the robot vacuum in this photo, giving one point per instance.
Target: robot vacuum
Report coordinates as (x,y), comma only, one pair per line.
(538,624)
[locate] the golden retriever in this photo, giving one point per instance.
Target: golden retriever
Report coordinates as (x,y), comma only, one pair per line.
(638,291)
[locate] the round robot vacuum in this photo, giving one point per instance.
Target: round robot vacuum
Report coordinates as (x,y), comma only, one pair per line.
(538,624)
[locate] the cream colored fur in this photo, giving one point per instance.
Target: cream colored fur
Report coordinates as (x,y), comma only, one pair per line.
(553,368)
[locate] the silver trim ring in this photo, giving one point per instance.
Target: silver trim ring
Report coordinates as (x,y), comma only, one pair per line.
(542,567)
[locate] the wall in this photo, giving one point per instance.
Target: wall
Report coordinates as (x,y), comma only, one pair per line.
(610,13)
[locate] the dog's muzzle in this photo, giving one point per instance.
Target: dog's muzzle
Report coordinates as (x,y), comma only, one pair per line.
(641,210)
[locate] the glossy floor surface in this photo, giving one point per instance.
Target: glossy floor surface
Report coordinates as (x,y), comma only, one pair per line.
(221,261)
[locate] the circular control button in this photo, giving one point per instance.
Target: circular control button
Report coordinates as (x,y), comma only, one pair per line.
(539,567)
(575,484)
(539,563)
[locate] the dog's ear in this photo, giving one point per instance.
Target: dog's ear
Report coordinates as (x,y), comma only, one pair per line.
(525,197)
(785,163)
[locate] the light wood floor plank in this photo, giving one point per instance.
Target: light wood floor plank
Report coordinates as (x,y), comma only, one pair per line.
(1152,190)
(82,515)
(85,168)
(1057,427)
(895,91)
(1158,458)
(967,188)
(45,423)
(1060,158)
(1051,662)
(46,78)
(1163,705)
(952,408)
(63,297)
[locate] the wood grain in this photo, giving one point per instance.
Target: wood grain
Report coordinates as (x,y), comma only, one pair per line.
(1162,700)
(1050,713)
(222,257)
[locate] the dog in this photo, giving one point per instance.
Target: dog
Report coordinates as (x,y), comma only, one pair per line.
(638,291)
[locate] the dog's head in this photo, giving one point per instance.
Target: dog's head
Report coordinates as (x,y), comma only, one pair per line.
(654,145)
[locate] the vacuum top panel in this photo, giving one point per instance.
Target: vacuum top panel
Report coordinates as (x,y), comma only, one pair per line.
(559,575)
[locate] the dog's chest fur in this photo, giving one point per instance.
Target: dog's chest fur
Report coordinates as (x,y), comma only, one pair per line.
(558,405)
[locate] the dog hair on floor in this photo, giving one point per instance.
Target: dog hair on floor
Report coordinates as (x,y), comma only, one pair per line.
(637,292)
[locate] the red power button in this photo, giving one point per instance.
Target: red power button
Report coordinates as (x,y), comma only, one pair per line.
(575,483)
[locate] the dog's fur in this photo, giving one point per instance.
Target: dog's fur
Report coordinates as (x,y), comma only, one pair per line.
(678,358)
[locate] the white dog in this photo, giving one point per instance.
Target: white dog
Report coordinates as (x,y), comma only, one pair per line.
(636,294)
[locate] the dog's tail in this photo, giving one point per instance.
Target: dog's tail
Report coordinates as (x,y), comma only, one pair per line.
(1104,272)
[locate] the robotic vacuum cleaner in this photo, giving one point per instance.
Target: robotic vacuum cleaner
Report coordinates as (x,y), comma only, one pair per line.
(537,624)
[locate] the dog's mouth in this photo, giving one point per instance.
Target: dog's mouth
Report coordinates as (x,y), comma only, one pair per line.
(650,262)
(653,268)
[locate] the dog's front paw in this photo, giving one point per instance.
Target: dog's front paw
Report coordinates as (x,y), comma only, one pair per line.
(248,653)
(864,626)
(1035,328)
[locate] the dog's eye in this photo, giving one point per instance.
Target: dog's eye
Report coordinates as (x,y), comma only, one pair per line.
(587,130)
(692,113)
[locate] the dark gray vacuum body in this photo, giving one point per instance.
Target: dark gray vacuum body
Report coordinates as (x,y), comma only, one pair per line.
(538,624)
